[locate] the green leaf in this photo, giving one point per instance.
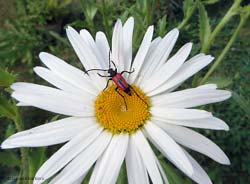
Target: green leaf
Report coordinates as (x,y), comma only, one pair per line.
(9,158)
(204,26)
(210,1)
(10,130)
(36,158)
(173,176)
(243,103)
(7,109)
(59,38)
(221,82)
(161,26)
(187,7)
(122,179)
(6,78)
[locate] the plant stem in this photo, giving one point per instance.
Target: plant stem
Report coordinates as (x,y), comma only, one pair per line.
(24,151)
(186,19)
(226,49)
(231,12)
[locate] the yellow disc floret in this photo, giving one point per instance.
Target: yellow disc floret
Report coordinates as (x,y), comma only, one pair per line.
(111,111)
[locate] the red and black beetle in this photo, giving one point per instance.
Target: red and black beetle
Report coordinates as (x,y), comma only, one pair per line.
(118,79)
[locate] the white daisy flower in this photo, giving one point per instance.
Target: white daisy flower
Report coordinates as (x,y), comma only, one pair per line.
(106,127)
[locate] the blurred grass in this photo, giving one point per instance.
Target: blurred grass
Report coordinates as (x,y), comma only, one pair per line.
(28,27)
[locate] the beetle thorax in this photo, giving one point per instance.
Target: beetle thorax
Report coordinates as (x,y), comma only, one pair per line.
(112,72)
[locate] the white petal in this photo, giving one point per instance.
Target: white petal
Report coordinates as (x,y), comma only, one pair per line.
(77,181)
(69,73)
(188,69)
(52,99)
(93,48)
(168,147)
(103,47)
(178,114)
(167,70)
(107,170)
(162,171)
(86,56)
(83,162)
(141,54)
(196,141)
(208,86)
(199,175)
(69,151)
(59,82)
(48,134)
(160,54)
(147,156)
(127,42)
(207,123)
(190,98)
(117,46)
(136,171)
(146,63)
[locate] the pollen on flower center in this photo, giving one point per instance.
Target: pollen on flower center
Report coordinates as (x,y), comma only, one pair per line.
(112,114)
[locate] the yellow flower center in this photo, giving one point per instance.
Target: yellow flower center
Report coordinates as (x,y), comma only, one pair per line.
(117,115)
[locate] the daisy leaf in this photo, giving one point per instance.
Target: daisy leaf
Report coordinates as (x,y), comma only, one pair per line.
(204,26)
(6,78)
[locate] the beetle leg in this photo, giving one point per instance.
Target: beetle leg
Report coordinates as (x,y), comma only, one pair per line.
(116,89)
(129,72)
(138,95)
(107,83)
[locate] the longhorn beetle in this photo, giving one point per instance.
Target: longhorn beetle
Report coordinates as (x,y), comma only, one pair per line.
(118,79)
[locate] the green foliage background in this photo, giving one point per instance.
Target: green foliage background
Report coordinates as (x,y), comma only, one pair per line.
(28,27)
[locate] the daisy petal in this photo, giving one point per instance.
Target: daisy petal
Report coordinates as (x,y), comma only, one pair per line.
(178,114)
(196,141)
(110,163)
(141,54)
(103,47)
(188,69)
(160,55)
(208,86)
(127,42)
(167,70)
(51,99)
(199,175)
(147,156)
(207,123)
(77,181)
(75,169)
(86,56)
(93,48)
(146,63)
(165,179)
(190,98)
(58,82)
(68,73)
(164,142)
(136,171)
(117,46)
(48,134)
(69,151)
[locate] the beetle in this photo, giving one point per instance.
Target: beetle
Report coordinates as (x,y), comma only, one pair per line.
(118,79)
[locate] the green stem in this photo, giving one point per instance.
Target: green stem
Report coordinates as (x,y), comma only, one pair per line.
(226,49)
(24,151)
(230,13)
(186,19)
(105,20)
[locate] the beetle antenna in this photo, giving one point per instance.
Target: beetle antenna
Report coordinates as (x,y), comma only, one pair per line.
(109,58)
(95,70)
